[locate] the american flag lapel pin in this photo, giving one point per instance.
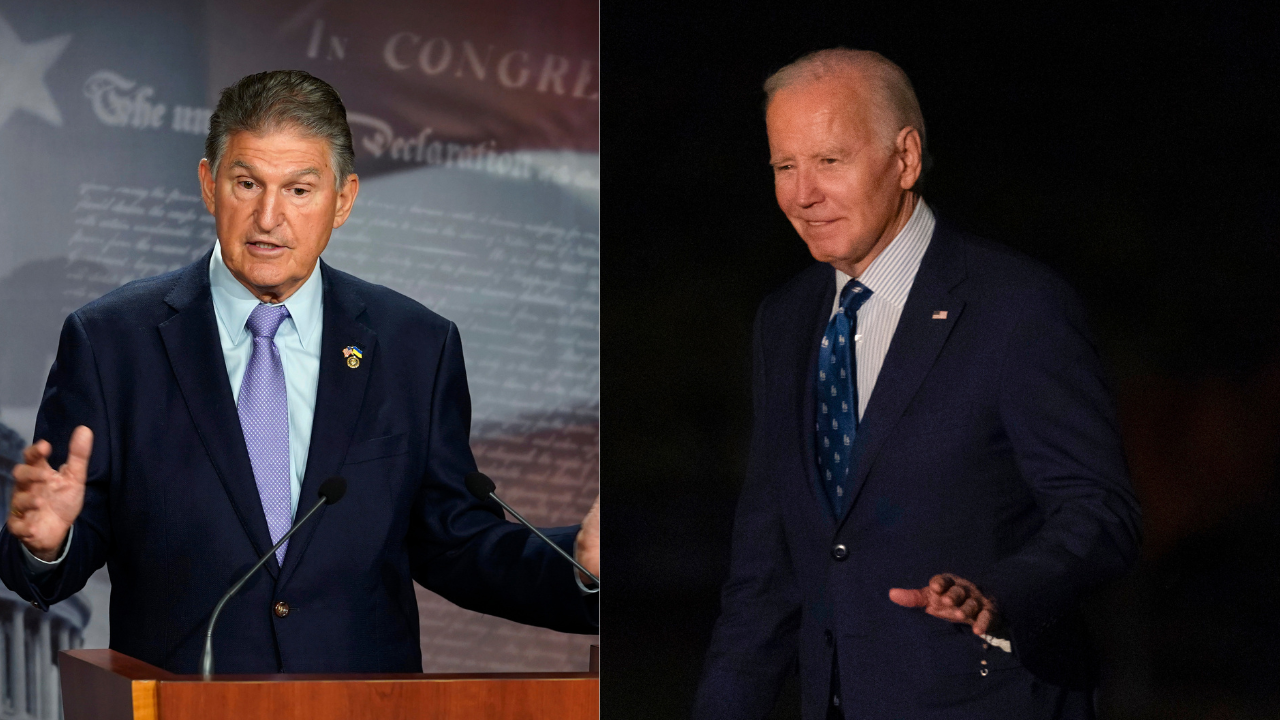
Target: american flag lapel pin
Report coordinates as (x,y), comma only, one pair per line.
(939,314)
(353,355)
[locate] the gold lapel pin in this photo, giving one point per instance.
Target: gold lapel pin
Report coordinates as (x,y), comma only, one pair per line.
(353,355)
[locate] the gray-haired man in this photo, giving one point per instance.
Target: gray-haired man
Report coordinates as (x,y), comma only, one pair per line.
(935,479)
(194,413)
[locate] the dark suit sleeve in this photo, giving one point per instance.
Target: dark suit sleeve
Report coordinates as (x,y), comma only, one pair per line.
(464,549)
(72,396)
(755,639)
(1060,418)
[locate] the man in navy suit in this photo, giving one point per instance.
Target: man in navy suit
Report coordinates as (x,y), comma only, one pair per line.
(936,479)
(195,414)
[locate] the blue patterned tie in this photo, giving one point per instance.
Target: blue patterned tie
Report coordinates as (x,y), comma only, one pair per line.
(837,395)
(264,417)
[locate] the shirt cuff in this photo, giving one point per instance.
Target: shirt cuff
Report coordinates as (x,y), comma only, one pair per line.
(577,577)
(36,566)
(585,589)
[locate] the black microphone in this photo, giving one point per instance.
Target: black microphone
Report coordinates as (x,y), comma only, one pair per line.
(331,491)
(479,485)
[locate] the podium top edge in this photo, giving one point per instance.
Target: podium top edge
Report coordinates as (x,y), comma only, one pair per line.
(381,677)
(134,669)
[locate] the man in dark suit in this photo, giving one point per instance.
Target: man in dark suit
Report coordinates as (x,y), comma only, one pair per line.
(209,404)
(936,479)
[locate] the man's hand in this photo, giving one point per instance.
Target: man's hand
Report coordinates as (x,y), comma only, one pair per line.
(588,542)
(46,501)
(952,598)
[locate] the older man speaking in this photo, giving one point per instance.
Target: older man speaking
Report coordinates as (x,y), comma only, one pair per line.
(193,413)
(935,479)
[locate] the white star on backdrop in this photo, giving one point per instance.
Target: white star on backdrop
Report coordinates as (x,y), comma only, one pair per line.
(22,69)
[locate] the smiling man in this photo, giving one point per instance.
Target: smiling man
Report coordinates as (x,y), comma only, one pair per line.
(935,479)
(191,415)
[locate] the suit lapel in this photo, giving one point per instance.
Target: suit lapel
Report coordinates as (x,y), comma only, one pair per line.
(916,343)
(339,396)
(815,307)
(195,354)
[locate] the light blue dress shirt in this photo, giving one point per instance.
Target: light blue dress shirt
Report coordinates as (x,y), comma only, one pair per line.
(298,340)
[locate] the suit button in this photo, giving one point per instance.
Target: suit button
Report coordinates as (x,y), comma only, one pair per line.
(281,609)
(826,634)
(839,552)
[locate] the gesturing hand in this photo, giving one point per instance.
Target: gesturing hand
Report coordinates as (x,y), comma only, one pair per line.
(46,501)
(951,598)
(588,541)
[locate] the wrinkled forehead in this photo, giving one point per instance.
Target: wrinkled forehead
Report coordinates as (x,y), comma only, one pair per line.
(287,149)
(820,113)
(845,98)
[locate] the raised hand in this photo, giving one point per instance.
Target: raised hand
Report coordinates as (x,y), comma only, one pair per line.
(951,598)
(46,501)
(588,541)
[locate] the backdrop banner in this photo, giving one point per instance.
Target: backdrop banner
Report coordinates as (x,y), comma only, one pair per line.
(476,130)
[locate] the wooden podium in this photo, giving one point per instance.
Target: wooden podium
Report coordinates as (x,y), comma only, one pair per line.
(106,685)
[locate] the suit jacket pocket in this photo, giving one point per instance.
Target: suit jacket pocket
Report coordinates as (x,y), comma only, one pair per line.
(956,666)
(380,447)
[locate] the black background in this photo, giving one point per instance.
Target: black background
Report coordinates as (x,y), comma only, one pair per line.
(1131,149)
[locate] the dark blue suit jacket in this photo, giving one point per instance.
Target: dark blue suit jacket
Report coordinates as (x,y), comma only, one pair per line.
(172,509)
(989,449)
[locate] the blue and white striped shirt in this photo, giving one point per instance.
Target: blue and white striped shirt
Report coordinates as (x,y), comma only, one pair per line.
(890,277)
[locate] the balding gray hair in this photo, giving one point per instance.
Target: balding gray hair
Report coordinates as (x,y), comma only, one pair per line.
(283,100)
(892,99)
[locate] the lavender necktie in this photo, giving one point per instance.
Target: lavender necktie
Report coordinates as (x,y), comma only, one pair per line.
(264,417)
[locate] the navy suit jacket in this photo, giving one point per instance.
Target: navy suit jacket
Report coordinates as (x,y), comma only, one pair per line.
(172,508)
(988,449)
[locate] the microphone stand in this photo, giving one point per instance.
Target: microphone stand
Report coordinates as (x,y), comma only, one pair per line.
(206,662)
(558,549)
